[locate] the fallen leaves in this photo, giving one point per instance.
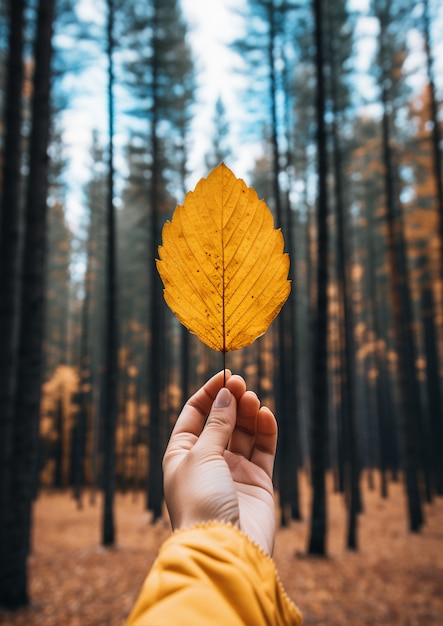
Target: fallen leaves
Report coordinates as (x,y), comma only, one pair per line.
(395,578)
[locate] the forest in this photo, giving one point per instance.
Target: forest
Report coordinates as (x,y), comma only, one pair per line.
(334,116)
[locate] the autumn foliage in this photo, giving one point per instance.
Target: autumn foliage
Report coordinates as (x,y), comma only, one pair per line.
(222,262)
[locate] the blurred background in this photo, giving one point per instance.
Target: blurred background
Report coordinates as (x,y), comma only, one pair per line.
(110,111)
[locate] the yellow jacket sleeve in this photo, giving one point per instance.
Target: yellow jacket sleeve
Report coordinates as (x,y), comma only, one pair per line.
(213,574)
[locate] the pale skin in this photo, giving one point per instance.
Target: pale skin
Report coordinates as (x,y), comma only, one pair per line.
(219,461)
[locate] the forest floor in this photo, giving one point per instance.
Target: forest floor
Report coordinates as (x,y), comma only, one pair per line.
(395,578)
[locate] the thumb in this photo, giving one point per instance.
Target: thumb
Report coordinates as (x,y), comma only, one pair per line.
(220,423)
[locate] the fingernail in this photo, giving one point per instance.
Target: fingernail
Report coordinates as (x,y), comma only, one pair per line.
(223,398)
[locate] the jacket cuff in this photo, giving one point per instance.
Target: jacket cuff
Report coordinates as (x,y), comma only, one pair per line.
(224,540)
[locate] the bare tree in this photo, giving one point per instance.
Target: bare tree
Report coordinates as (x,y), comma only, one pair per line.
(9,257)
(110,401)
(317,539)
(14,591)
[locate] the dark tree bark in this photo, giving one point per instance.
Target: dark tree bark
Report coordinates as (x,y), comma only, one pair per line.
(409,395)
(14,589)
(9,254)
(59,447)
(383,398)
(85,367)
(402,310)
(348,351)
(433,388)
(436,134)
(287,414)
(156,351)
(111,346)
(290,376)
(317,538)
(184,333)
(184,364)
(344,263)
(84,395)
(286,401)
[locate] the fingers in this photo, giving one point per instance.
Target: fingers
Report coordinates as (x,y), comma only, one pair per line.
(265,444)
(219,425)
(236,386)
(194,413)
(255,433)
(221,421)
(243,437)
(235,421)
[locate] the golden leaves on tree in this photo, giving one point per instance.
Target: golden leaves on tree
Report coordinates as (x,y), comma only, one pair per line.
(222,262)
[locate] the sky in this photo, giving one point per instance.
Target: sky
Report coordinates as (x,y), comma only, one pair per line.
(212,25)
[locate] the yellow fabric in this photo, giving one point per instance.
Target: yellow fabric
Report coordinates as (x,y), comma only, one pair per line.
(211,575)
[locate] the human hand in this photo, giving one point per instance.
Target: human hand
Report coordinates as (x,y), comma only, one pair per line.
(222,469)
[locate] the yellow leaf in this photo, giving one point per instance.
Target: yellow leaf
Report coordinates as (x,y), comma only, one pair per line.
(222,262)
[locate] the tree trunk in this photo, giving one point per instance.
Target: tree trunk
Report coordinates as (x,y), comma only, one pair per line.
(9,257)
(344,262)
(84,395)
(285,396)
(402,315)
(184,332)
(156,349)
(290,313)
(436,135)
(14,590)
(317,539)
(433,389)
(383,399)
(434,392)
(59,447)
(85,391)
(156,355)
(184,363)
(110,385)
